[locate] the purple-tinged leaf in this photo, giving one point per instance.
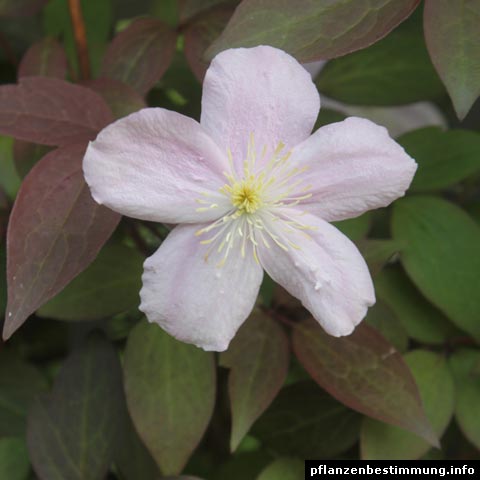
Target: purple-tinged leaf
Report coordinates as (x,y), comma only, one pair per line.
(20,8)
(140,55)
(200,34)
(258,360)
(120,97)
(45,58)
(379,441)
(170,388)
(71,432)
(451,33)
(364,372)
(26,155)
(312,30)
(55,231)
(51,111)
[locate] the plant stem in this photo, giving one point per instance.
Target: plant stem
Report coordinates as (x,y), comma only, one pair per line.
(80,38)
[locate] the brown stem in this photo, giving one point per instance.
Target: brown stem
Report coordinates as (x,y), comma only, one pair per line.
(80,38)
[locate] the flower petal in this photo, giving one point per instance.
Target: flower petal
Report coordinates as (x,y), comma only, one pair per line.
(194,300)
(325,272)
(259,90)
(154,165)
(353,166)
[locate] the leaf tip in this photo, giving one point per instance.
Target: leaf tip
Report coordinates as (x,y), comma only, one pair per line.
(425,430)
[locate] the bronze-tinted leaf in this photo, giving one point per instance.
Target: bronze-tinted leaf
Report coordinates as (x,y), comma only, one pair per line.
(45,58)
(200,33)
(379,441)
(55,231)
(140,54)
(51,111)
(20,8)
(364,372)
(189,9)
(312,30)
(120,97)
(258,359)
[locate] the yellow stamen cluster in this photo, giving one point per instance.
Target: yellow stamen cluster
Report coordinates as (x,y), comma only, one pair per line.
(255,198)
(246,195)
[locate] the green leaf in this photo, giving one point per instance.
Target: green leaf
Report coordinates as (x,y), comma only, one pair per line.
(381,441)
(20,382)
(110,285)
(284,469)
(14,464)
(465,366)
(355,228)
(325,117)
(170,388)
(451,32)
(364,372)
(378,252)
(242,466)
(422,321)
(71,433)
(394,71)
(305,421)
(131,456)
(258,360)
(166,10)
(383,319)
(9,179)
(26,155)
(441,255)
(98,23)
(444,158)
(311,30)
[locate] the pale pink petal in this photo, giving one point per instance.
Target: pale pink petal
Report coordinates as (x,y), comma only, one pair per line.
(325,271)
(259,90)
(155,165)
(193,299)
(352,166)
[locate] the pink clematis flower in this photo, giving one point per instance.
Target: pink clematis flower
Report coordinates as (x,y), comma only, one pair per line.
(251,190)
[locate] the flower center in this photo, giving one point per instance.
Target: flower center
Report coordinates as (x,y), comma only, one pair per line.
(259,198)
(246,195)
